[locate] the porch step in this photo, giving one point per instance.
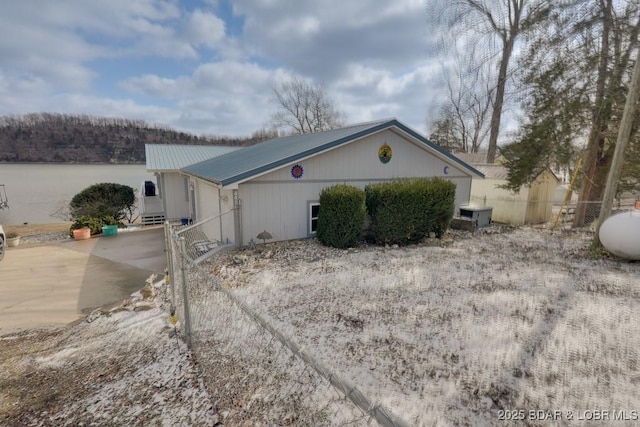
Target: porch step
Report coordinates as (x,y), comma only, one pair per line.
(152,219)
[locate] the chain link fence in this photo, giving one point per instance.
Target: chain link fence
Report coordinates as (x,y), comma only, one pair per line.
(256,374)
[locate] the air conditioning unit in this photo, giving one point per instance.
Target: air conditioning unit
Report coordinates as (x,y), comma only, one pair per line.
(479,215)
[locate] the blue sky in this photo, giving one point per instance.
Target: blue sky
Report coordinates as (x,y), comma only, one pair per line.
(209,66)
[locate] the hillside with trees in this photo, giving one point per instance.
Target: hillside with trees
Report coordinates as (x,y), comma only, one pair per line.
(61,138)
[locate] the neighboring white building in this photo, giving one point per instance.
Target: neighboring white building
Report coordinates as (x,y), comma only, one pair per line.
(173,198)
(275,185)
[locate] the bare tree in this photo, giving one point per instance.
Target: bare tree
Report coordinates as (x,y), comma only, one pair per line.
(499,24)
(461,125)
(304,107)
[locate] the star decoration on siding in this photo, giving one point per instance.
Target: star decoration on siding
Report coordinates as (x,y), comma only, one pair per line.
(297,171)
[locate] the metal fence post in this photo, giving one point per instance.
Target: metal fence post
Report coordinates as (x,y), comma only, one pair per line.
(169,245)
(185,292)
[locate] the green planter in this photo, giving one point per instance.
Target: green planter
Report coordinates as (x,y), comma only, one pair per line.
(110,230)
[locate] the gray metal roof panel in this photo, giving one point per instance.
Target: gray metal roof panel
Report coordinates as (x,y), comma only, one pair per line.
(166,157)
(269,155)
(493,171)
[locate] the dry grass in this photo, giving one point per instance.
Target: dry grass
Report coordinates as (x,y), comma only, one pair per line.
(34,229)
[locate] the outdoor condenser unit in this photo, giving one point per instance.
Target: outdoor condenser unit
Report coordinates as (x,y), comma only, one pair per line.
(481,215)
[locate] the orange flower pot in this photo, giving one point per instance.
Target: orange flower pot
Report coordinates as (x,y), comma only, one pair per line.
(82,234)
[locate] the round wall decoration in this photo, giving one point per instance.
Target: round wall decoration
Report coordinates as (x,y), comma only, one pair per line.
(385,153)
(297,171)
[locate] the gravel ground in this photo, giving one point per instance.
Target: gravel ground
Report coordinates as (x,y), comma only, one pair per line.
(45,237)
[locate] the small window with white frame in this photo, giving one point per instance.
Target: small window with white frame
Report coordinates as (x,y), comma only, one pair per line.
(314,210)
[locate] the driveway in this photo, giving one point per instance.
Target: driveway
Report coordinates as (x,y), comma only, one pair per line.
(57,283)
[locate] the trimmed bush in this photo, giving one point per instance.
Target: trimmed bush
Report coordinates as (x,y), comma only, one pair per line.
(406,211)
(341,216)
(103,200)
(94,223)
(443,205)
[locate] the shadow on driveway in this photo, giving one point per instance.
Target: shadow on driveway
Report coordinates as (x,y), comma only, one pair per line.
(118,266)
(55,283)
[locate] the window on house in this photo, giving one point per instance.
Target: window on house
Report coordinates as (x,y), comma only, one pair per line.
(314,209)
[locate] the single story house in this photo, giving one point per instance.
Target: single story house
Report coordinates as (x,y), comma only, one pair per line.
(275,185)
(170,197)
(533,204)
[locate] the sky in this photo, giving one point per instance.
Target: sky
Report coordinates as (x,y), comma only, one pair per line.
(210,66)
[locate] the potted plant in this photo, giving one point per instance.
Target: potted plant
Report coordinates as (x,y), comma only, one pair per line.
(81,233)
(13,239)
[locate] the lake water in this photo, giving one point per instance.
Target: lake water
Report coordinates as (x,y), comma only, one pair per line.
(36,191)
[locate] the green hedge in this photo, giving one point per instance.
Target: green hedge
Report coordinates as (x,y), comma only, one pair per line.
(406,211)
(341,216)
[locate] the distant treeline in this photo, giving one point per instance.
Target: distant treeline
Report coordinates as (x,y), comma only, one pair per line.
(63,138)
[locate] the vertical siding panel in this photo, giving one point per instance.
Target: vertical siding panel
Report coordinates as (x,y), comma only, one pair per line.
(508,207)
(176,196)
(541,195)
(226,204)
(207,196)
(359,160)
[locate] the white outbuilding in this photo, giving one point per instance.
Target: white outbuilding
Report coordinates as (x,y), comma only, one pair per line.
(533,204)
(275,185)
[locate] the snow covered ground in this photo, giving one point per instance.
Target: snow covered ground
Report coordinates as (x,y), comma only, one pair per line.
(122,368)
(467,332)
(470,330)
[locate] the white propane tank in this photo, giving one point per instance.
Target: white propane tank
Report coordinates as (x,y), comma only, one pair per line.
(620,234)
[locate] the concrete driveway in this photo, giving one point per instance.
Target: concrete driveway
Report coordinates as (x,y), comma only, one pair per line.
(57,283)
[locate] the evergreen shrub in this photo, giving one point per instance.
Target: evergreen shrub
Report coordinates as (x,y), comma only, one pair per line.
(102,200)
(406,211)
(341,216)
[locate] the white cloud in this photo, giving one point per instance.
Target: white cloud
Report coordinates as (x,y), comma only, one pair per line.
(372,56)
(205,28)
(228,97)
(389,34)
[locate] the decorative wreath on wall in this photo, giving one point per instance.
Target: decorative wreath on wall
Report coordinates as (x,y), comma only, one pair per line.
(385,153)
(297,171)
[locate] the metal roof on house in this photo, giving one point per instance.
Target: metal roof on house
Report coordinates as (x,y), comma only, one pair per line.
(474,159)
(493,171)
(500,172)
(269,155)
(173,157)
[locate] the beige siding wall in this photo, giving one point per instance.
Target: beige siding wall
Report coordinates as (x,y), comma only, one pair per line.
(207,207)
(283,208)
(227,218)
(278,203)
(210,203)
(508,208)
(359,161)
(541,196)
(176,196)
